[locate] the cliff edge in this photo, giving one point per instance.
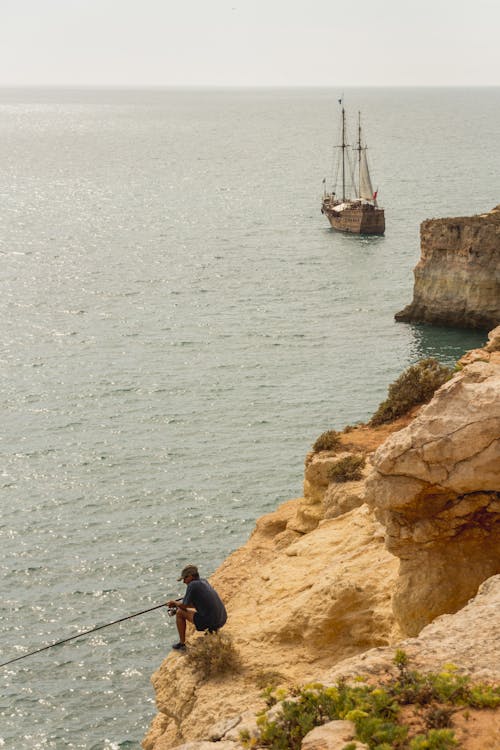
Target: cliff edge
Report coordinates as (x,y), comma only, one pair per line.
(333,581)
(457,279)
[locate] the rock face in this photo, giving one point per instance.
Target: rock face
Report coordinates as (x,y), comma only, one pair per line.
(297,603)
(316,591)
(468,639)
(436,487)
(326,499)
(292,610)
(457,279)
(334,735)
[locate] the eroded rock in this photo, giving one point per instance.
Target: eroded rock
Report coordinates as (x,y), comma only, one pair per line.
(334,735)
(292,611)
(457,279)
(436,487)
(468,639)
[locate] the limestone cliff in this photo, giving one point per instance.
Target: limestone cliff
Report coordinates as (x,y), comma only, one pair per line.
(457,279)
(319,586)
(297,604)
(436,487)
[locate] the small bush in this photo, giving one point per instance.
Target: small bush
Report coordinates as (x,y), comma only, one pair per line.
(327,441)
(214,654)
(375,731)
(347,469)
(375,711)
(484,696)
(439,717)
(416,385)
(437,739)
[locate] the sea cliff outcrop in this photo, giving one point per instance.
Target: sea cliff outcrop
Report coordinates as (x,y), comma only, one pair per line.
(331,582)
(436,487)
(297,604)
(457,279)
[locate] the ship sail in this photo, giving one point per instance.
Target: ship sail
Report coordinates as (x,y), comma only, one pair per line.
(365,183)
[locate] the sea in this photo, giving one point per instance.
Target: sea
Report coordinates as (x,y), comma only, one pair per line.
(178,325)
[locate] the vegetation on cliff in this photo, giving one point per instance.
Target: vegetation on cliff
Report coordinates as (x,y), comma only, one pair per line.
(347,469)
(327,441)
(214,655)
(416,385)
(408,711)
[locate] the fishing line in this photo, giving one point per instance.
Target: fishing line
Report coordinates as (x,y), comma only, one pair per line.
(84,632)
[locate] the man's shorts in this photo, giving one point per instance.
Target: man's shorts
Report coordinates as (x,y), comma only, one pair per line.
(201,623)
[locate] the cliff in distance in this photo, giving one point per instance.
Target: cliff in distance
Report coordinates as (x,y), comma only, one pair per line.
(331,583)
(457,279)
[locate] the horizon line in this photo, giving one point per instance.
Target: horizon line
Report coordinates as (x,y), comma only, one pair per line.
(164,86)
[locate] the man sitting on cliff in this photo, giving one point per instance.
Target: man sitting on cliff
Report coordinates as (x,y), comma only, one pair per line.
(201,605)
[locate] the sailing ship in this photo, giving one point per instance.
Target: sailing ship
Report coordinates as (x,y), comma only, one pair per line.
(357,210)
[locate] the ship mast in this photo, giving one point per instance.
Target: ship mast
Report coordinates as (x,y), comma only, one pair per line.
(344,145)
(359,154)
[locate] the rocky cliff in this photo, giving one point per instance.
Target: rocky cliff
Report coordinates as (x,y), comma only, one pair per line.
(436,488)
(331,582)
(457,279)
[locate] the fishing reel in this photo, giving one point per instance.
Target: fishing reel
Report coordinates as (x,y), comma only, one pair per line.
(171,611)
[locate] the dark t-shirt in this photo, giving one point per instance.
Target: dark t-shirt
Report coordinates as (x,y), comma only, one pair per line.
(206,601)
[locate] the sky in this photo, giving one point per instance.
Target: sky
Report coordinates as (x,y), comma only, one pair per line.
(249,43)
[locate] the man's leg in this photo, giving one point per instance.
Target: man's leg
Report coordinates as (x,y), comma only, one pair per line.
(181,617)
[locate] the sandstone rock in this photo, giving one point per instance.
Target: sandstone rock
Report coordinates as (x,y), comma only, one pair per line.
(323,498)
(436,486)
(292,612)
(218,731)
(457,279)
(489,353)
(247,724)
(334,735)
(342,498)
(493,344)
(302,601)
(316,475)
(469,639)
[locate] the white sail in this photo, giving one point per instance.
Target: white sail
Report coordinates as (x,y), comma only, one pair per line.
(365,183)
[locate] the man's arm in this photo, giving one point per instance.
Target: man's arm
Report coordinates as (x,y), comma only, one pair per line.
(179,604)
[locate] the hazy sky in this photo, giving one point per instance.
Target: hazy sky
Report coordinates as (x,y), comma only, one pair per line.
(250,42)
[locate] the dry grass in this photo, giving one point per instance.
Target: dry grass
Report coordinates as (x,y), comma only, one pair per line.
(347,469)
(213,655)
(416,385)
(327,441)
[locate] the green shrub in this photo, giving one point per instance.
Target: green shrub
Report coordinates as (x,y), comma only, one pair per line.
(214,654)
(437,739)
(484,696)
(416,385)
(347,469)
(447,686)
(372,711)
(375,711)
(327,441)
(375,731)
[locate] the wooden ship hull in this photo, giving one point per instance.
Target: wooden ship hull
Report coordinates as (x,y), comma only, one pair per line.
(354,217)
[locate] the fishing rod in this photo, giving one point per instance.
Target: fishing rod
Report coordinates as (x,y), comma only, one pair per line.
(171,611)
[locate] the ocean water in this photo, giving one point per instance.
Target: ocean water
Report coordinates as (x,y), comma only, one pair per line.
(179,323)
